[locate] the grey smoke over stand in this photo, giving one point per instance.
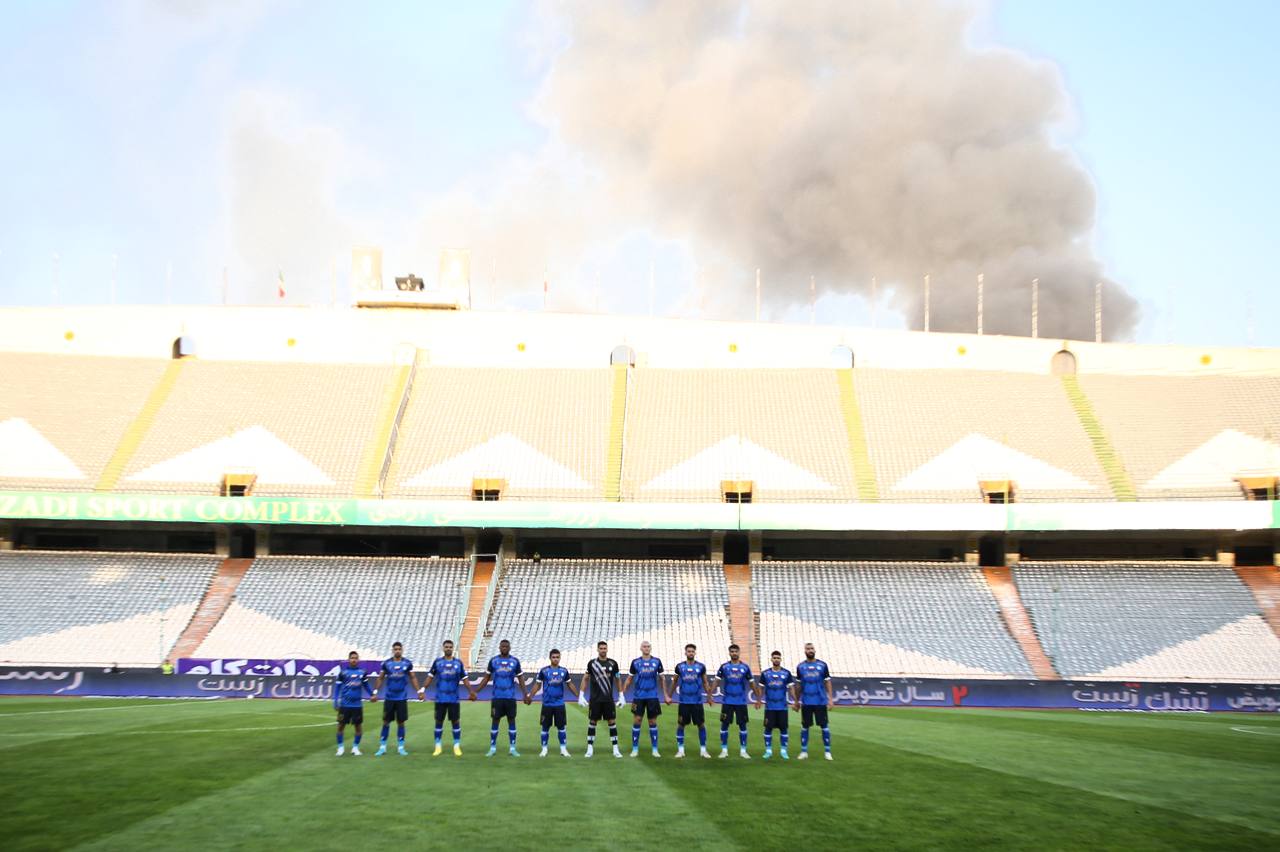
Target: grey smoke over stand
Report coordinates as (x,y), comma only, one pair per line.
(842,140)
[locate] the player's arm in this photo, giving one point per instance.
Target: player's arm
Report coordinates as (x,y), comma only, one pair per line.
(430,679)
(528,697)
(337,693)
(364,682)
(537,687)
(757,689)
(377,687)
(568,684)
(793,693)
(831,697)
(706,684)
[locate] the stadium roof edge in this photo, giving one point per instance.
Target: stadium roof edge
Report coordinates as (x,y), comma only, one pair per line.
(561,340)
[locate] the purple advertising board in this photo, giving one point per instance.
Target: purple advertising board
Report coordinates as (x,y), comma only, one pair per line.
(882,692)
(270,668)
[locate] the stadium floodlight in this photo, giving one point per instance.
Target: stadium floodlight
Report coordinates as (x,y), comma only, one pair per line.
(455,271)
(366,268)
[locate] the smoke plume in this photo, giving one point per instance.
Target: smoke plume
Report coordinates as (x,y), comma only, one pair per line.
(842,140)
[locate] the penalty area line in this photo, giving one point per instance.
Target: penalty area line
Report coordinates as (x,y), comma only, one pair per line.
(1247,730)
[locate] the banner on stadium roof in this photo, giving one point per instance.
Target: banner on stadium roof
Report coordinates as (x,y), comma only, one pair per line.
(521,514)
(880,692)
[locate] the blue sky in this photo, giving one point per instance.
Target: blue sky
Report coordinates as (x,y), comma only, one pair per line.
(136,133)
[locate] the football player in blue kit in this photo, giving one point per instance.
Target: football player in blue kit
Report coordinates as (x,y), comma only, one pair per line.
(397,672)
(449,675)
(777,685)
(737,686)
(690,685)
(349,689)
(815,695)
(552,681)
(645,671)
(504,670)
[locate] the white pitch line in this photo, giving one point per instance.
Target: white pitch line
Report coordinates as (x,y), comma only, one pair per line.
(194,702)
(1245,730)
(171,731)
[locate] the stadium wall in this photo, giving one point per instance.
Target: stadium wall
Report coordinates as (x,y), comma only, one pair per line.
(903,692)
(900,517)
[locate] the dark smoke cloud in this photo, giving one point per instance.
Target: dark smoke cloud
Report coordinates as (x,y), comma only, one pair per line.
(841,140)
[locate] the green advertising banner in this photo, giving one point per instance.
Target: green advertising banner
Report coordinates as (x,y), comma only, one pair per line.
(976,517)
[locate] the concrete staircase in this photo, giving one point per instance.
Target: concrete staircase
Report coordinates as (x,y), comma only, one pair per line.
(617,427)
(742,620)
(138,429)
(1018,622)
(1112,466)
(864,472)
(217,597)
(1264,582)
(478,602)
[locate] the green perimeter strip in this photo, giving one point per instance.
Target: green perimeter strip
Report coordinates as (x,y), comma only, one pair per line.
(1117,476)
(859,456)
(898,517)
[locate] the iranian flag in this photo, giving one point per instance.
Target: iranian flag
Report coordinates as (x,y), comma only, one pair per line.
(280,283)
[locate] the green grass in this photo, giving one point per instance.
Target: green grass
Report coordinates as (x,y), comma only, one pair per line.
(117,774)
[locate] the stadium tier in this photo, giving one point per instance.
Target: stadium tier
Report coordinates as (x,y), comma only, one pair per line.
(934,434)
(688,430)
(96,608)
(62,416)
(300,428)
(893,619)
(544,432)
(571,604)
(1174,620)
(1190,437)
(324,607)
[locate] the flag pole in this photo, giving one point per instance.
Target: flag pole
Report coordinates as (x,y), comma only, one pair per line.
(1097,312)
(1035,307)
(981,281)
(813,299)
(875,299)
(926,301)
(757,294)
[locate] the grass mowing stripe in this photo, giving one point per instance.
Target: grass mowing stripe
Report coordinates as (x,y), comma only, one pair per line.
(1223,790)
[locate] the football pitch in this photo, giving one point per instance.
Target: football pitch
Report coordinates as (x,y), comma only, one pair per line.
(145,774)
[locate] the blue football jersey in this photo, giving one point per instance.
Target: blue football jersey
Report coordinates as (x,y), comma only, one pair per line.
(734,680)
(775,683)
(504,671)
(689,681)
(553,679)
(449,673)
(813,679)
(349,688)
(646,673)
(395,675)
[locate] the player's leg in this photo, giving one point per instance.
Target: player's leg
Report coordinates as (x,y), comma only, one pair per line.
(768,735)
(562,735)
(386,728)
(437,731)
(725,716)
(593,716)
(680,720)
(544,722)
(455,719)
(342,727)
(635,729)
(612,717)
(784,724)
(358,724)
(402,716)
(826,732)
(511,729)
(742,730)
(654,710)
(494,717)
(806,722)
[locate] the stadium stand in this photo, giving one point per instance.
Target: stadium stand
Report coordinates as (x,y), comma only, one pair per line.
(543,431)
(1190,436)
(62,416)
(299,427)
(96,608)
(324,607)
(933,434)
(573,603)
(689,429)
(1151,621)
(881,618)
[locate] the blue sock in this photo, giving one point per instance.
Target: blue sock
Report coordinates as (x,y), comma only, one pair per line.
(702,737)
(826,739)
(680,738)
(724,737)
(339,739)
(511,735)
(383,737)
(768,740)
(635,736)
(742,738)
(804,739)
(493,736)
(545,731)
(439,734)
(784,740)
(400,734)
(457,735)
(560,735)
(356,741)
(653,736)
